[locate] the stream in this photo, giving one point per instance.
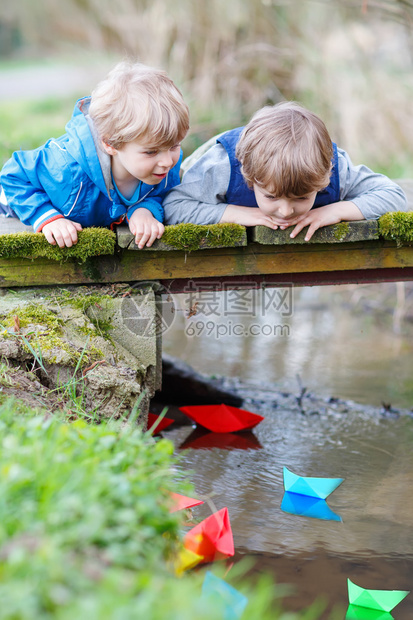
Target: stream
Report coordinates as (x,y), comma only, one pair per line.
(349,353)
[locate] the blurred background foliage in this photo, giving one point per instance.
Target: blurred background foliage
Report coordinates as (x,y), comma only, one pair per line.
(348,60)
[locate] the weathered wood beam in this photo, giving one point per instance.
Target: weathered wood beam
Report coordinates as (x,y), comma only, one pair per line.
(253,260)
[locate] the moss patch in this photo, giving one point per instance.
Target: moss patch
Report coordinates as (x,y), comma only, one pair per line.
(397,226)
(340,231)
(91,242)
(194,236)
(39,329)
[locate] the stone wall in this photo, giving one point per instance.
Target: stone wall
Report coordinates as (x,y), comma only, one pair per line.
(96,347)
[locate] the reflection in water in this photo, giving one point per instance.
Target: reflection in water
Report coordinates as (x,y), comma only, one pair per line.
(373,544)
(362,613)
(372,453)
(201,439)
(306,506)
(342,341)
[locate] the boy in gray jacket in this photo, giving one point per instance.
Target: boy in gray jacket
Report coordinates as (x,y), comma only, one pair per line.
(281,170)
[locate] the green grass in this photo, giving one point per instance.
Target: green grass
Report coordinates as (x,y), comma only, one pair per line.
(85,528)
(29,124)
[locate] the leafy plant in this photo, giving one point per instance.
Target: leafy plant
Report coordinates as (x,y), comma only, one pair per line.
(85,528)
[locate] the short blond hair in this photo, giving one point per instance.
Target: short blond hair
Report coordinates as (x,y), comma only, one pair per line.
(136,102)
(286,150)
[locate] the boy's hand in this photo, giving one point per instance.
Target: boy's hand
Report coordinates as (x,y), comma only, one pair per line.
(325,216)
(246,216)
(145,227)
(62,231)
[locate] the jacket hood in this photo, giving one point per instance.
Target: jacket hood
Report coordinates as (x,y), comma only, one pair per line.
(83,146)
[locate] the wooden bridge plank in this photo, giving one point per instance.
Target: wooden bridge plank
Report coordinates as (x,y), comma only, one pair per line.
(255,259)
(365,230)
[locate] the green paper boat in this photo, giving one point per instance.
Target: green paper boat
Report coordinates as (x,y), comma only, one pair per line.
(383,600)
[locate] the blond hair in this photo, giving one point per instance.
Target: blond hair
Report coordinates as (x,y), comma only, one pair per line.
(286,150)
(136,102)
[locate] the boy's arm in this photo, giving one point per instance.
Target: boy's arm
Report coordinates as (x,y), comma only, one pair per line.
(364,194)
(200,198)
(246,216)
(22,179)
(374,194)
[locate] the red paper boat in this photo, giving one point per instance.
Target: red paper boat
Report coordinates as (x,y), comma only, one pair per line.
(180,502)
(222,418)
(201,439)
(164,423)
(212,538)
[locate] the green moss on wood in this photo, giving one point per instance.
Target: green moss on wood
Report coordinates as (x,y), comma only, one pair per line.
(193,236)
(91,242)
(341,230)
(397,226)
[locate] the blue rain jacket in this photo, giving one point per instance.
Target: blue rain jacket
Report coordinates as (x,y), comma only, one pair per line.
(70,176)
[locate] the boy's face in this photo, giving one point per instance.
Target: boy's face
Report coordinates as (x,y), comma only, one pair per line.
(136,160)
(282,209)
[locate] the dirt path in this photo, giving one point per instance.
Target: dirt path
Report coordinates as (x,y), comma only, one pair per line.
(47,79)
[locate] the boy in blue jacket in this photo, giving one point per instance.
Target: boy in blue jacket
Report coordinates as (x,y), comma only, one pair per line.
(281,170)
(118,158)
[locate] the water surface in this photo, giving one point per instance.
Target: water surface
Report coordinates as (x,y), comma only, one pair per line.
(354,343)
(372,545)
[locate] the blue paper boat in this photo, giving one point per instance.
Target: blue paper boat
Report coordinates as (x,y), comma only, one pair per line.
(354,612)
(231,602)
(307,506)
(312,487)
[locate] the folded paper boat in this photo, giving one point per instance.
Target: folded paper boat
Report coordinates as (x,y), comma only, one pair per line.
(185,560)
(383,600)
(180,502)
(228,599)
(313,487)
(222,418)
(157,424)
(212,538)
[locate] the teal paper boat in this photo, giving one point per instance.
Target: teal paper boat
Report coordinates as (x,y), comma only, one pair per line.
(382,600)
(313,487)
(231,602)
(354,612)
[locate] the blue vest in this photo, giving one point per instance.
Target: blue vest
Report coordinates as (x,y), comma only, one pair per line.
(239,193)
